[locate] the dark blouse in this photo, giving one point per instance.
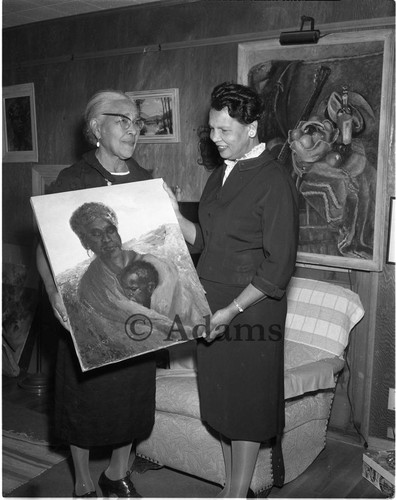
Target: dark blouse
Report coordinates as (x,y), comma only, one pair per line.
(89,173)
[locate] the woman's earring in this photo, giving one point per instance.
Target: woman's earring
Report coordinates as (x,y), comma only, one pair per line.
(97,143)
(252,133)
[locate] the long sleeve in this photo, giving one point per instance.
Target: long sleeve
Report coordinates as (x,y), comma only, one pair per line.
(249,227)
(279,237)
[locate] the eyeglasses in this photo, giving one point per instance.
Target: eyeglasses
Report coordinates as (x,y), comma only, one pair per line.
(125,122)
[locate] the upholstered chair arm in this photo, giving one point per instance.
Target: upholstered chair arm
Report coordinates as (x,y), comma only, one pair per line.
(311,377)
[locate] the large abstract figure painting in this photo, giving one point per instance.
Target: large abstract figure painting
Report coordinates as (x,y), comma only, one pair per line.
(123,270)
(328,120)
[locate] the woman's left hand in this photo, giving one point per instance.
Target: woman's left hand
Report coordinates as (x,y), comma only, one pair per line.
(219,323)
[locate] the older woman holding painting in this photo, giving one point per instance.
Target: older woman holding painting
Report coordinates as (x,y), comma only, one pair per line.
(247,233)
(113,405)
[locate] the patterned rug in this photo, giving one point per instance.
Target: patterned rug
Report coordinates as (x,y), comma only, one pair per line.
(24,459)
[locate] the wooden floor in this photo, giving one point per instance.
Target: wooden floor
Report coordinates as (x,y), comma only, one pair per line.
(336,473)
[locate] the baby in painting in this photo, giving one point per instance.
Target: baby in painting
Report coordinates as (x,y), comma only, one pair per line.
(138,281)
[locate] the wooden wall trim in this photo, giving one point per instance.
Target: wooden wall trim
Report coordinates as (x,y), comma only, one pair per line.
(365,335)
(361,24)
(43,175)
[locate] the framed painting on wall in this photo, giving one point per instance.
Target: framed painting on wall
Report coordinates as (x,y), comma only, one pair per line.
(19,124)
(159,109)
(328,119)
(123,270)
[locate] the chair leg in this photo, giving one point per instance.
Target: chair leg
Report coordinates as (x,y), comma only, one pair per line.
(141,465)
(260,494)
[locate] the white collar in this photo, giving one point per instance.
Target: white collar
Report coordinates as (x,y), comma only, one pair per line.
(253,153)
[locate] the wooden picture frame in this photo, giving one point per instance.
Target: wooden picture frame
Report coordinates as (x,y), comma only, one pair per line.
(19,124)
(159,109)
(391,247)
(342,202)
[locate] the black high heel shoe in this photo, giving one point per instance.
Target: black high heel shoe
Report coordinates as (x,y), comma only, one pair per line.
(121,488)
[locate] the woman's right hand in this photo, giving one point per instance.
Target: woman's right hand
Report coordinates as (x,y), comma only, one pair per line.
(53,295)
(59,309)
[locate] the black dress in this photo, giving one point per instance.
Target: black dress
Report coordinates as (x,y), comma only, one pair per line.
(248,234)
(114,404)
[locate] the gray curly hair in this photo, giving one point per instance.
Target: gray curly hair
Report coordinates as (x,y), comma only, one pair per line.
(84,215)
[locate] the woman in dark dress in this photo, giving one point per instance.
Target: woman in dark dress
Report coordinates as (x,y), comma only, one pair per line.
(113,405)
(247,233)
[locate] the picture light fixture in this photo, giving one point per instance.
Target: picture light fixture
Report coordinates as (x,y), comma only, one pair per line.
(302,36)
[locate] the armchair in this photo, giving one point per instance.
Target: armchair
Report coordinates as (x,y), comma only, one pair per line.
(319,319)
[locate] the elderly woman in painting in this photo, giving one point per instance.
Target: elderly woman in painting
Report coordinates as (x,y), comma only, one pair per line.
(100,288)
(113,405)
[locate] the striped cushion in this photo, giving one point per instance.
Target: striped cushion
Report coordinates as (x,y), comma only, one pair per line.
(321,314)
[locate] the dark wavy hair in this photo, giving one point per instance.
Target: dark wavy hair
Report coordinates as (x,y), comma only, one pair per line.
(242,102)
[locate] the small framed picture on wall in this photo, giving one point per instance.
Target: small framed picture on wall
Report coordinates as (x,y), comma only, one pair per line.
(19,124)
(159,110)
